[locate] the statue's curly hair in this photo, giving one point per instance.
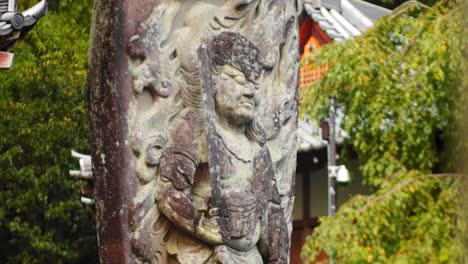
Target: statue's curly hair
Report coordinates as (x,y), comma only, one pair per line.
(234,49)
(231,48)
(227,48)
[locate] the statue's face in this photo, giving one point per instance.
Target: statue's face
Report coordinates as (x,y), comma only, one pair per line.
(236,97)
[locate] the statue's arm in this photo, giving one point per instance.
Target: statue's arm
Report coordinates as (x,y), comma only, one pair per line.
(175,199)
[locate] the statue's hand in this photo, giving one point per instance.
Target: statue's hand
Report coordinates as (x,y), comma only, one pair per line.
(179,167)
(208,228)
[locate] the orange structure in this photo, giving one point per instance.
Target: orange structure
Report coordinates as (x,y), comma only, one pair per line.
(311,37)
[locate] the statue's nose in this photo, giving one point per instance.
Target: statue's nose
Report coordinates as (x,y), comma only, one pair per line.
(249,90)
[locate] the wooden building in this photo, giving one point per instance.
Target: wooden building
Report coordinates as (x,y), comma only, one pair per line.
(322,22)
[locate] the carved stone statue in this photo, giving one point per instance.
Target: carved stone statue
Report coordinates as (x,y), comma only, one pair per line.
(210,114)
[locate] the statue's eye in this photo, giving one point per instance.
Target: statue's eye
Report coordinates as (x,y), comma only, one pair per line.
(157,146)
(241,7)
(240,79)
(157,142)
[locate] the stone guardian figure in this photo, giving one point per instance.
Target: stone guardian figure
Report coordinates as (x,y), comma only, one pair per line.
(194,143)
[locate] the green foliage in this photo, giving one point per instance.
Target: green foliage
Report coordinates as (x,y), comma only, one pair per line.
(398,84)
(413,218)
(43,116)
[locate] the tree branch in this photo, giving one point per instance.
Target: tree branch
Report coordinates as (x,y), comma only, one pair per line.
(404,184)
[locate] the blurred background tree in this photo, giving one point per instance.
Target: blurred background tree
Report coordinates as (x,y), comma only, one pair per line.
(399,85)
(43,116)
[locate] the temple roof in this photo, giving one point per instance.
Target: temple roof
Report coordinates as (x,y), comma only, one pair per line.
(340,20)
(13,23)
(343,19)
(310,134)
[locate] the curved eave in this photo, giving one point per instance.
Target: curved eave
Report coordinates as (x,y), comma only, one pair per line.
(343,19)
(5,28)
(31,16)
(34,13)
(8,35)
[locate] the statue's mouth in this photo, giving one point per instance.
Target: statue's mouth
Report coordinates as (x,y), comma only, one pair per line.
(247,103)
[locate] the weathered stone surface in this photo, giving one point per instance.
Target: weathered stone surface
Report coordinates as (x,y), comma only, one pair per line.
(193,114)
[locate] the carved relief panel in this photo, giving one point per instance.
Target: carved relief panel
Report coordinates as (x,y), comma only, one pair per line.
(211,124)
